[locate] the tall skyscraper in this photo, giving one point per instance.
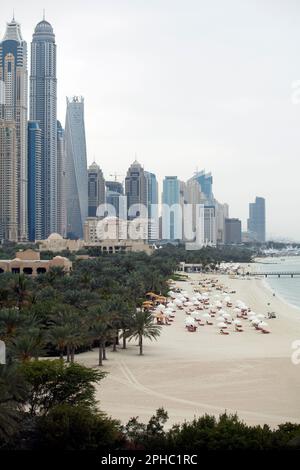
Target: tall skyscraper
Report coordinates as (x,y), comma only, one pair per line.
(114,191)
(76,167)
(152,203)
(96,189)
(35,210)
(233,231)
(8,181)
(135,188)
(206,181)
(61,182)
(13,72)
(257,220)
(172,209)
(43,85)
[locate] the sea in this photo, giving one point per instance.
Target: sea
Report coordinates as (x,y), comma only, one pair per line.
(285,287)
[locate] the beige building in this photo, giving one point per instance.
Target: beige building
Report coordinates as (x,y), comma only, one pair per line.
(8,182)
(29,262)
(110,235)
(57,243)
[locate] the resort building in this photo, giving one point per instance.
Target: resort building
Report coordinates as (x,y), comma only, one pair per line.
(56,243)
(28,262)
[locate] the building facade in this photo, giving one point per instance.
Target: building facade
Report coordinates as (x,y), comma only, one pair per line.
(171,209)
(35,210)
(136,190)
(13,72)
(152,206)
(76,168)
(233,231)
(43,108)
(96,189)
(61,182)
(257,220)
(8,181)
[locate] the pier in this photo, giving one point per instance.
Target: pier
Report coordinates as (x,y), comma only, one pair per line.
(275,273)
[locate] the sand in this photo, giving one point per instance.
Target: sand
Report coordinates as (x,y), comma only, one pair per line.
(190,374)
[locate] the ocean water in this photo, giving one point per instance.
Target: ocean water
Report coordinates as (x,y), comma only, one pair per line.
(286,287)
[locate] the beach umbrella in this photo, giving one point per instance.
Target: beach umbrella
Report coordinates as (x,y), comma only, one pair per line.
(220,319)
(221,325)
(255,321)
(218,304)
(261,316)
(226,315)
(190,321)
(237,322)
(178,302)
(206,315)
(227,299)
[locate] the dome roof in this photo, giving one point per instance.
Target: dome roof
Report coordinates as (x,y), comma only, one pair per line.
(43,27)
(55,236)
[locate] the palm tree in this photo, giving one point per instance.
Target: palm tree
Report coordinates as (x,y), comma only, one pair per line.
(20,290)
(99,331)
(143,327)
(28,346)
(10,319)
(58,336)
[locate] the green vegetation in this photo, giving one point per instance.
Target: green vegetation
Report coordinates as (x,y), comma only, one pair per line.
(48,403)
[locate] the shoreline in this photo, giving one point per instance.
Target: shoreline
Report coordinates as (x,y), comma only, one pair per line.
(190,374)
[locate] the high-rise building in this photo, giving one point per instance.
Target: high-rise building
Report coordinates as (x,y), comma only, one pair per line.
(152,205)
(136,190)
(61,182)
(13,72)
(233,231)
(76,168)
(96,189)
(43,85)
(115,198)
(171,209)
(8,181)
(257,220)
(35,212)
(206,181)
(222,213)
(210,235)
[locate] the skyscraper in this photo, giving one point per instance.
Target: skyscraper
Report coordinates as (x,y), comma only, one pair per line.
(257,220)
(35,214)
(206,181)
(13,72)
(61,182)
(115,195)
(152,203)
(172,209)
(135,188)
(96,189)
(43,85)
(233,231)
(76,167)
(8,181)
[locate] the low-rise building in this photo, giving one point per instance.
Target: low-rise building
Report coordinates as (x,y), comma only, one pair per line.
(29,262)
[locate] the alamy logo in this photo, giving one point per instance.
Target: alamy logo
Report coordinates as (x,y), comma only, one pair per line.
(296,354)
(2,353)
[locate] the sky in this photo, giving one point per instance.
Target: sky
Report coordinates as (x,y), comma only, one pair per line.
(183,86)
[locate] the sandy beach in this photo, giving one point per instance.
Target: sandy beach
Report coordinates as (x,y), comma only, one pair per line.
(190,374)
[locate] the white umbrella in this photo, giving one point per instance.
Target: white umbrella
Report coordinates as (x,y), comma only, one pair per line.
(220,319)
(237,310)
(206,315)
(161,307)
(262,324)
(237,322)
(178,302)
(261,316)
(226,315)
(222,325)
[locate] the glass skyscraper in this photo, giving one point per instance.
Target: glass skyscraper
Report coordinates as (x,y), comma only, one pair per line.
(13,72)
(76,168)
(96,189)
(43,85)
(257,220)
(35,214)
(171,217)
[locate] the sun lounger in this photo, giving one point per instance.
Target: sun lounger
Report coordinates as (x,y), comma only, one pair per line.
(265,332)
(222,332)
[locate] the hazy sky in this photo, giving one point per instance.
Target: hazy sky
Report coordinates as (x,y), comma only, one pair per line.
(184,85)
